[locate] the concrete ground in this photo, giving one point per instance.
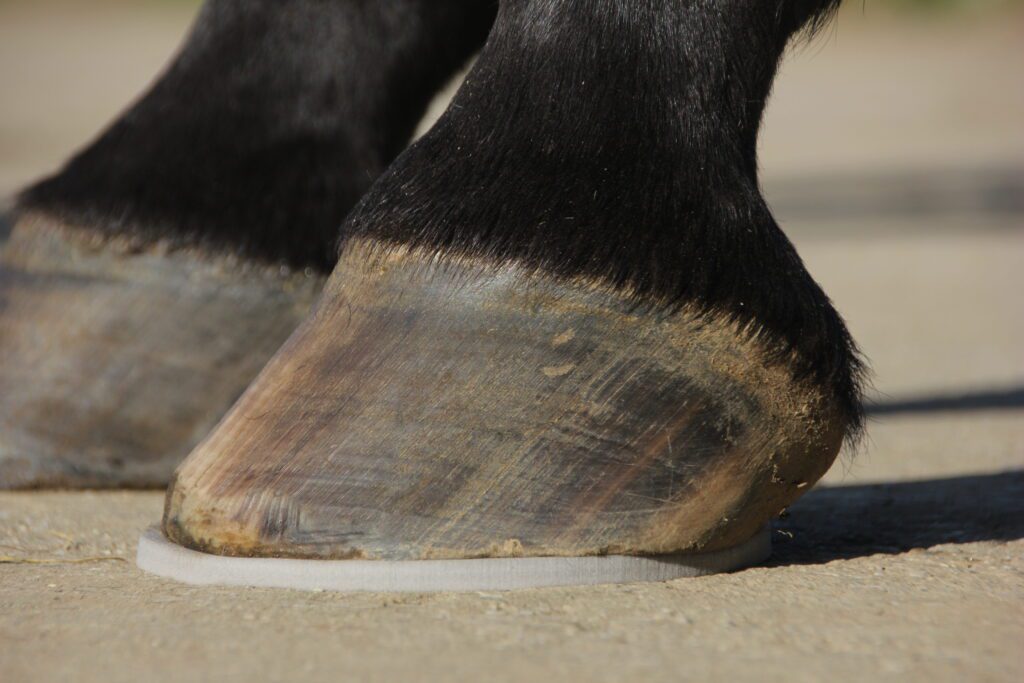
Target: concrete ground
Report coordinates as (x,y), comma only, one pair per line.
(893,155)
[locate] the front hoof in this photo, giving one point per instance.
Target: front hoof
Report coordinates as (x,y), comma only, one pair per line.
(438,408)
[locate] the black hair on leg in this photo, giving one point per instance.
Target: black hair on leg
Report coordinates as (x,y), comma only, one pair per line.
(268,126)
(618,139)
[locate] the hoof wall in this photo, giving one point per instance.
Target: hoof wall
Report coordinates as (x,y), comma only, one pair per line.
(439,409)
(161,557)
(115,361)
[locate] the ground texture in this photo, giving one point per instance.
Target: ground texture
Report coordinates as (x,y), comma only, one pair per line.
(906,564)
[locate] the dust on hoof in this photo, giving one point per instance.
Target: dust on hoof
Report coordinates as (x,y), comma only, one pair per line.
(115,360)
(446,408)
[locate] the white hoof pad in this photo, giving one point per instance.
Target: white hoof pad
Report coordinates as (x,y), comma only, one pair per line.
(159,556)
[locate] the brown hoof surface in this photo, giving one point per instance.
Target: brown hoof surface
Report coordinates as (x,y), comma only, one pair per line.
(115,361)
(442,408)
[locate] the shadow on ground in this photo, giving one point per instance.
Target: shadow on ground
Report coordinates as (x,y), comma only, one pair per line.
(844,522)
(997,399)
(921,193)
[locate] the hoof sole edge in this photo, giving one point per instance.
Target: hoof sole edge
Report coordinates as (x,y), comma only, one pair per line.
(157,555)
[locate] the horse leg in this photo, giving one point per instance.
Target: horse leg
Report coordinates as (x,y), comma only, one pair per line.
(145,284)
(563,323)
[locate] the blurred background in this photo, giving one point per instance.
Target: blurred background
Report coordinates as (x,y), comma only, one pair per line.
(892,153)
(903,105)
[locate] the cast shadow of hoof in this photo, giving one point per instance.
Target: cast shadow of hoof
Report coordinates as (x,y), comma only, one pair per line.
(844,522)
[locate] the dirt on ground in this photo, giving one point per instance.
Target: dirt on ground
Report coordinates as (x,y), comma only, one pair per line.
(906,564)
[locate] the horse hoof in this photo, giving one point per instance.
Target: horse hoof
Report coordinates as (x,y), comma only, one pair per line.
(444,408)
(116,360)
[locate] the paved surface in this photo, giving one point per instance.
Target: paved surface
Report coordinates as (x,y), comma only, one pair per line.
(907,565)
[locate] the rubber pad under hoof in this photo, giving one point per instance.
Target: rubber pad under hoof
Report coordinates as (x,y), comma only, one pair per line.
(159,556)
